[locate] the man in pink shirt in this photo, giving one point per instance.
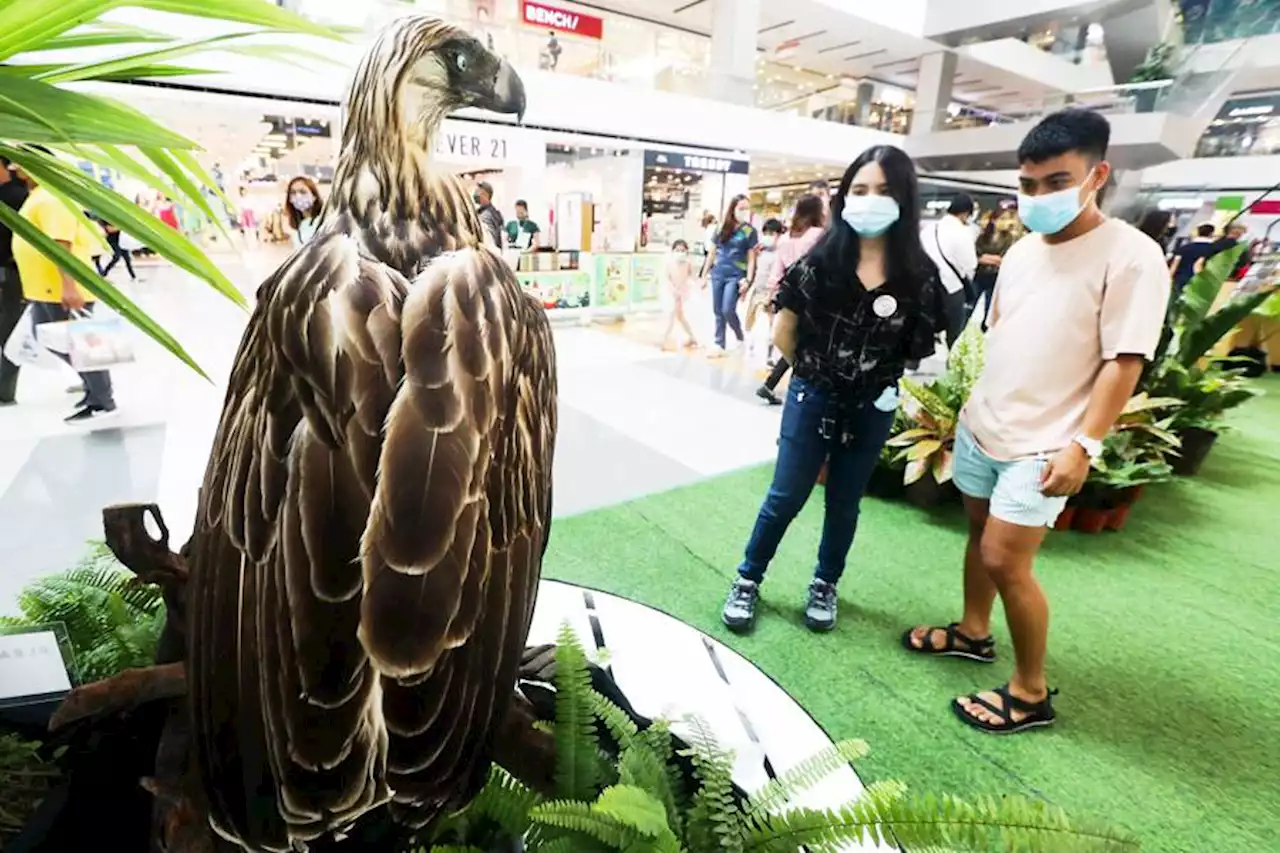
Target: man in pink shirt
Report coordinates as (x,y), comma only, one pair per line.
(1077,310)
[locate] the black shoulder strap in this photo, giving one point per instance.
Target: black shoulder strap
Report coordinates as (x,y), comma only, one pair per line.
(938,241)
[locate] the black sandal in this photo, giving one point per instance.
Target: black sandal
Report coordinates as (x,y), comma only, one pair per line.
(957,645)
(1037,713)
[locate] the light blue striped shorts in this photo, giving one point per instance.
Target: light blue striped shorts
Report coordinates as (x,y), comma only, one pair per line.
(1012,487)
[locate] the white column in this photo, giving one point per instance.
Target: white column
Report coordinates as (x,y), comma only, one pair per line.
(735,26)
(933,92)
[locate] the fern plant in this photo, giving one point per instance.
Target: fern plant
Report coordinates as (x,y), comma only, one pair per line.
(112,622)
(638,803)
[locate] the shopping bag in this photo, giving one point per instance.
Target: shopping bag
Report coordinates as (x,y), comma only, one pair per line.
(130,243)
(99,343)
(53,336)
(24,349)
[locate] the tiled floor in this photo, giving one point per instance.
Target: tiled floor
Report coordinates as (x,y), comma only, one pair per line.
(633,420)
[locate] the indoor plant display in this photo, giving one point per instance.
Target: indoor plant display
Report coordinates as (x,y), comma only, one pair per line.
(931,414)
(1135,453)
(1179,370)
(42,106)
(1207,393)
(628,785)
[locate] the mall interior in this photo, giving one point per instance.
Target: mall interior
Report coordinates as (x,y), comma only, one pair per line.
(643,124)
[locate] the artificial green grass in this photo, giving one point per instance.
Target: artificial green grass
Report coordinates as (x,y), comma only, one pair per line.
(1163,641)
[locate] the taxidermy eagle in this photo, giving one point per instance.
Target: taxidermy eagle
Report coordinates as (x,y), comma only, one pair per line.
(371,525)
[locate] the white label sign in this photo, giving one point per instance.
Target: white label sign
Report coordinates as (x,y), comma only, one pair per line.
(31,665)
(474,144)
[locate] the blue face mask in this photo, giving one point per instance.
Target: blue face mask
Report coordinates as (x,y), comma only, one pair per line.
(869,215)
(1050,213)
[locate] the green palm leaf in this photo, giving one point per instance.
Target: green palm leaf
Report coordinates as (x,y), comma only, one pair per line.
(128,66)
(85,192)
(31,23)
(102,35)
(35,111)
(95,284)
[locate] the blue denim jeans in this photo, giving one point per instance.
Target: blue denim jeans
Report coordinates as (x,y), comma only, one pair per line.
(802,448)
(724,301)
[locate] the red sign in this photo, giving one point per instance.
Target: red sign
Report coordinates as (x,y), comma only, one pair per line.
(562,20)
(1266,207)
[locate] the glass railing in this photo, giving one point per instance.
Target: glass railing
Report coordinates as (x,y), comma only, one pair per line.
(1209,21)
(630,52)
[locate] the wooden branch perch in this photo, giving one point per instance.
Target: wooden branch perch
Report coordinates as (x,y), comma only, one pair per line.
(124,692)
(125,529)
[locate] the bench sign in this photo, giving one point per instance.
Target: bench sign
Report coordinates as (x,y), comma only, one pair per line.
(31,665)
(562,20)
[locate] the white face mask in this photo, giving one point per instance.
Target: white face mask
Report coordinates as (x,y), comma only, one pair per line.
(302,200)
(870,215)
(769,242)
(742,214)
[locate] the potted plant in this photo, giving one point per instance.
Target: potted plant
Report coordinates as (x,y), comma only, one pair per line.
(1115,483)
(886,477)
(1179,368)
(931,414)
(1135,453)
(1207,394)
(1155,67)
(625,783)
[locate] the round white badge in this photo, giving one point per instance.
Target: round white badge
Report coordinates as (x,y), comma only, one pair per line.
(884,306)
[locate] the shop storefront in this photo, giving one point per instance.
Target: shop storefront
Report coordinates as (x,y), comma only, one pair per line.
(681,187)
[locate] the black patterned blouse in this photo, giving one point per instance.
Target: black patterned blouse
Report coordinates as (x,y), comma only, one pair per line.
(856,342)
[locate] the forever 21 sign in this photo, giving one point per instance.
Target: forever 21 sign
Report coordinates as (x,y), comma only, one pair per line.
(471,147)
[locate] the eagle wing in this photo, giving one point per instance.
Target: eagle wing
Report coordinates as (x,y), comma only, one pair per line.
(369,541)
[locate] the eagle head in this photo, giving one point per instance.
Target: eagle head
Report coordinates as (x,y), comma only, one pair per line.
(420,69)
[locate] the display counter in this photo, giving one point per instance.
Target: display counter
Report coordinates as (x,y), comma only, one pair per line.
(602,284)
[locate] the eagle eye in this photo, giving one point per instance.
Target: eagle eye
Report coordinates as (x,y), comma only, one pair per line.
(461,62)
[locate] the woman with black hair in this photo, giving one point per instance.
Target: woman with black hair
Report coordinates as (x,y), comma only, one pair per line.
(850,315)
(732,265)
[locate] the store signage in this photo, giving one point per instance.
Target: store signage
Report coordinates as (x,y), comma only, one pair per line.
(477,145)
(31,665)
(695,162)
(562,20)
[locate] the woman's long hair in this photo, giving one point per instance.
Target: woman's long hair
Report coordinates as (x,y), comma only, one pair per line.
(989,230)
(809,214)
(837,248)
(730,222)
(296,216)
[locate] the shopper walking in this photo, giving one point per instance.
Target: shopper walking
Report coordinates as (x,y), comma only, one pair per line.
(995,240)
(53,293)
(732,266)
(680,281)
(303,207)
(13,192)
(1190,256)
(1078,309)
(758,294)
(851,313)
(117,252)
(807,225)
(490,216)
(950,243)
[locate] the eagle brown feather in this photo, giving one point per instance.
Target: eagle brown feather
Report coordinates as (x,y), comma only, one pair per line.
(372,520)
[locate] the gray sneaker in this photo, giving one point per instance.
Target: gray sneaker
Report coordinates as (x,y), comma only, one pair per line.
(820,611)
(739,612)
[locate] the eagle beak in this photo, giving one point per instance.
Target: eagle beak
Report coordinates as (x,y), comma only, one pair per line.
(508,93)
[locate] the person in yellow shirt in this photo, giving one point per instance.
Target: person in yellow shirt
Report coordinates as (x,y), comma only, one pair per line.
(52,293)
